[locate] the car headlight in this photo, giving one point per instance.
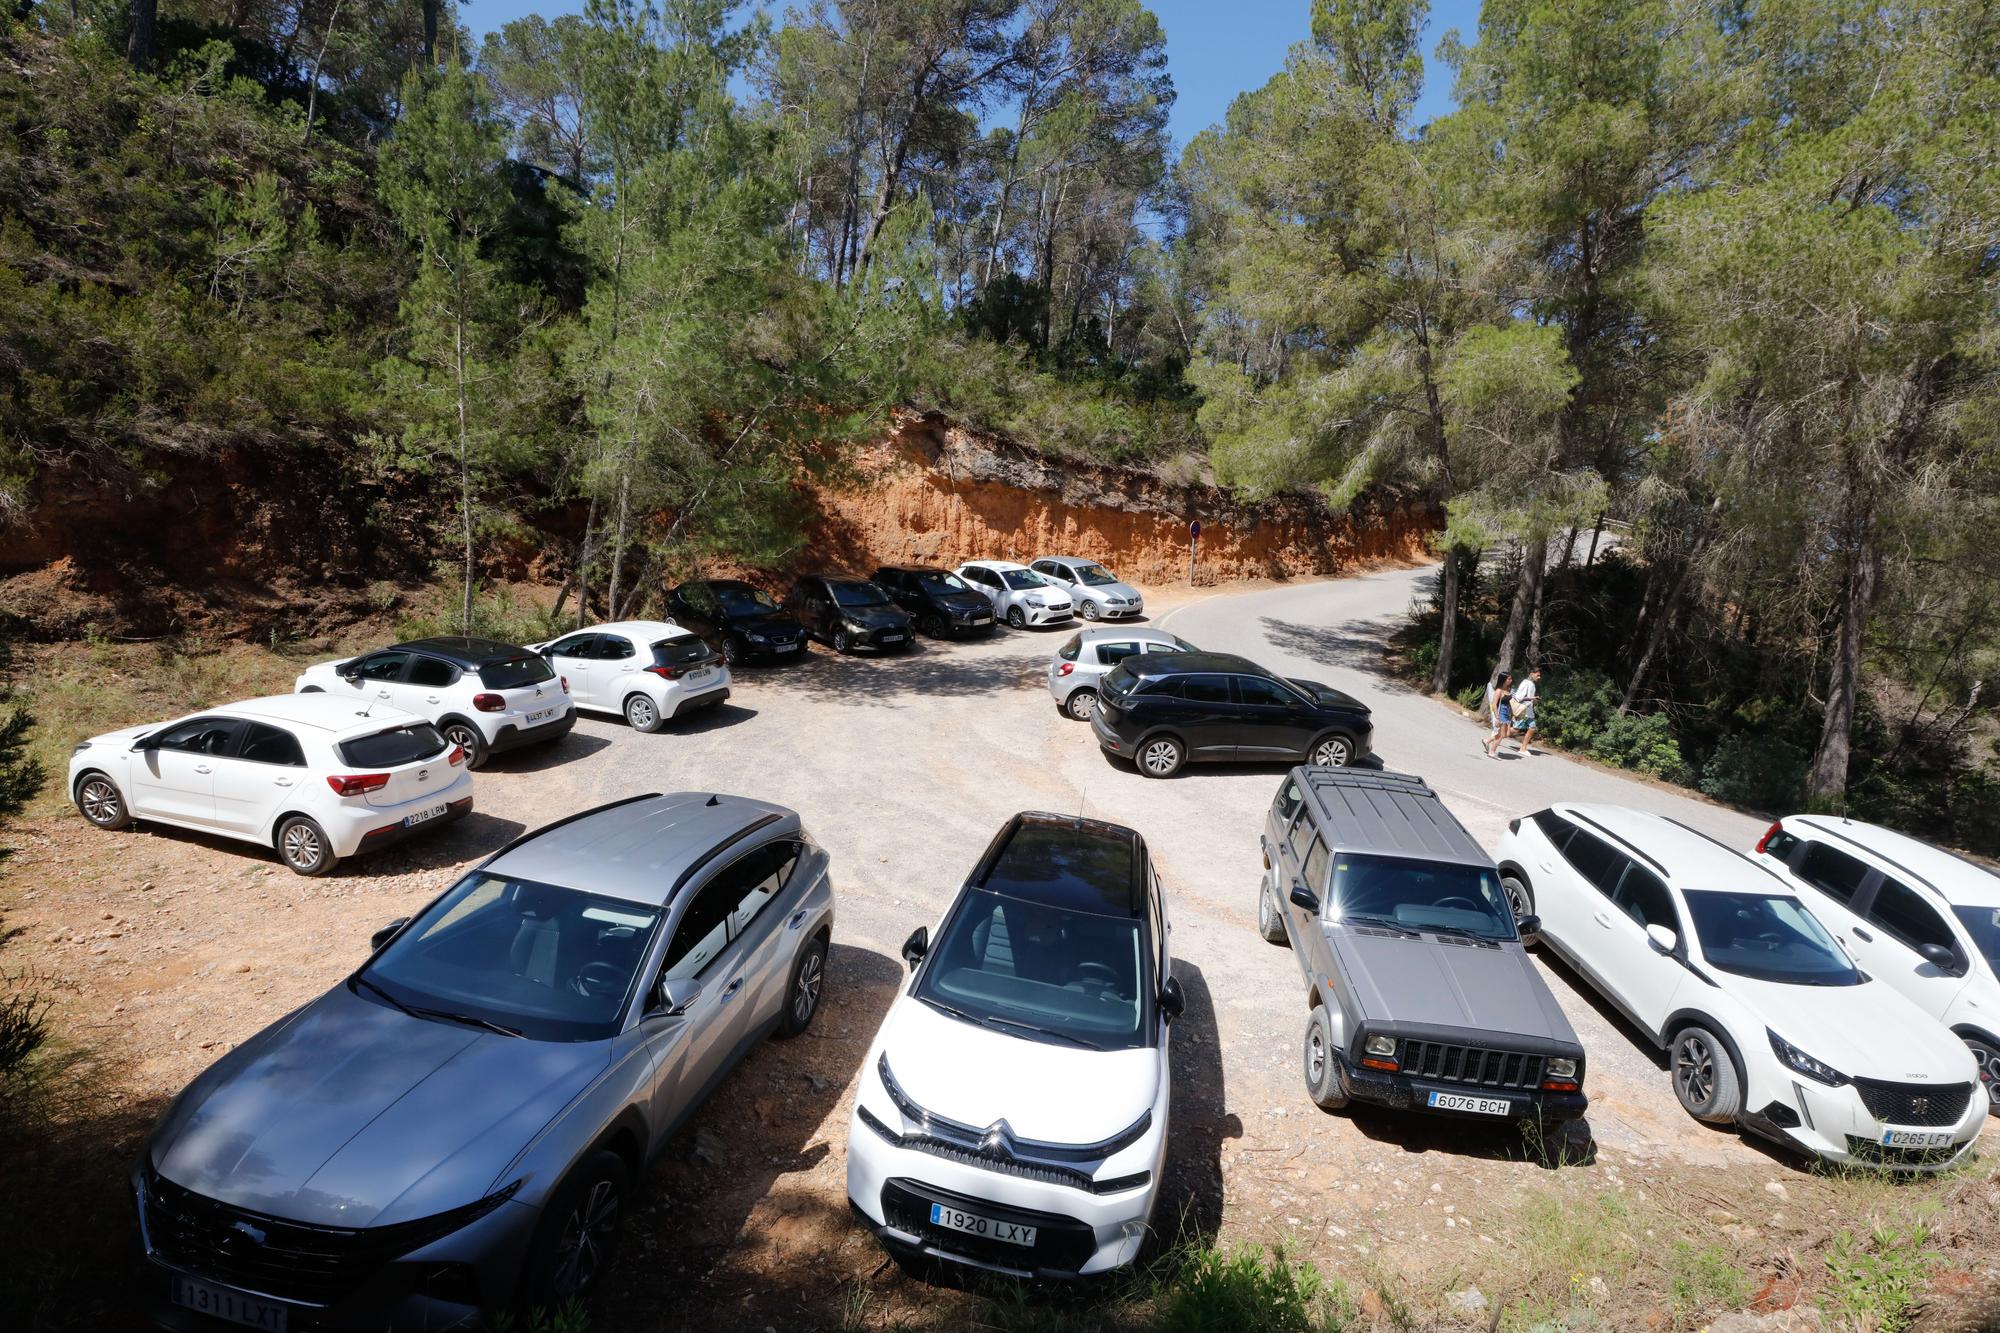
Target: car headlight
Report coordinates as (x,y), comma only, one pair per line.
(1035,599)
(1564,1069)
(1818,1070)
(1382,1046)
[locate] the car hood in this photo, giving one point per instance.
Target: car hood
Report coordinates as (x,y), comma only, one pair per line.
(1865,1031)
(1125,590)
(352,1114)
(122,740)
(979,1077)
(1449,992)
(875,617)
(1326,694)
(766,622)
(967,600)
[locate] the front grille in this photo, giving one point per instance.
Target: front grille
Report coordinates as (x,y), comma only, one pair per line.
(1002,1162)
(1061,1243)
(1471,1065)
(292,1261)
(1914,1103)
(1875,1154)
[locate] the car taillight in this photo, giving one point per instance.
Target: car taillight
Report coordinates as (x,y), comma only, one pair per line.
(357,784)
(565,683)
(1769,834)
(666,672)
(1065,668)
(457,756)
(489,703)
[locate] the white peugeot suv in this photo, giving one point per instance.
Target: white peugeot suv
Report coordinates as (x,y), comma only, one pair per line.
(484,695)
(648,671)
(315,779)
(1921,919)
(1767,1023)
(1012,1114)
(1020,596)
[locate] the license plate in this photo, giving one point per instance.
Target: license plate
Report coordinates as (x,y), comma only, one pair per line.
(788,647)
(542,716)
(698,675)
(973,1225)
(982,620)
(892,638)
(1453,1101)
(238,1307)
(1916,1138)
(424,816)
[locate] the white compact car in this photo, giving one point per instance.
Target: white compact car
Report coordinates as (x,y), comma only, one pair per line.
(1012,1113)
(315,778)
(1768,1024)
(1921,919)
(1097,593)
(1020,596)
(1082,662)
(648,671)
(484,695)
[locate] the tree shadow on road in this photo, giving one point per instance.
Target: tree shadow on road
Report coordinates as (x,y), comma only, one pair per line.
(1356,645)
(926,670)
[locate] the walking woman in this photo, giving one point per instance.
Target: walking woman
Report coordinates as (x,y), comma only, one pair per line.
(1500,707)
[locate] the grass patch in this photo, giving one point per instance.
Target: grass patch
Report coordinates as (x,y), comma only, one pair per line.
(1250,1289)
(1703,1280)
(1876,1281)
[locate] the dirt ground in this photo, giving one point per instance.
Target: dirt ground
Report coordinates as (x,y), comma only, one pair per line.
(163,949)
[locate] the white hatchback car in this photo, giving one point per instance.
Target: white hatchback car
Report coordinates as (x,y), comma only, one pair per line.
(1767,1023)
(484,695)
(1081,663)
(317,779)
(1097,593)
(648,671)
(1921,919)
(1012,1113)
(1020,596)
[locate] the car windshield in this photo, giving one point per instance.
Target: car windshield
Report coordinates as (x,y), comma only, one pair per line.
(393,747)
(512,674)
(1421,895)
(858,594)
(1983,924)
(1767,937)
(744,601)
(1094,575)
(1023,578)
(1073,978)
(937,578)
(553,964)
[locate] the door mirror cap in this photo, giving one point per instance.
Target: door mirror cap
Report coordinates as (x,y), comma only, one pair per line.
(1662,939)
(915,947)
(347,670)
(1173,1002)
(145,743)
(387,933)
(1529,924)
(1943,959)
(676,996)
(1304,897)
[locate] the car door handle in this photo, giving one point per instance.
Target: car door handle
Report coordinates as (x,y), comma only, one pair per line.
(798,919)
(430,698)
(283,782)
(1863,935)
(1603,919)
(381,694)
(729,991)
(201,768)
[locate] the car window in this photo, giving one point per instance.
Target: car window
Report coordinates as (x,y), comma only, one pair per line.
(576,645)
(938,579)
(1769,937)
(382,666)
(272,745)
(1289,799)
(393,746)
(1024,578)
(1258,690)
(1596,860)
(745,602)
(203,735)
(1643,897)
(1554,827)
(704,929)
(1118,652)
(432,672)
(1902,911)
(1205,689)
(1069,651)
(680,651)
(1095,576)
(858,594)
(516,672)
(1301,835)
(700,598)
(1049,567)
(759,877)
(1983,925)
(1315,866)
(612,648)
(1780,844)
(1831,871)
(1160,687)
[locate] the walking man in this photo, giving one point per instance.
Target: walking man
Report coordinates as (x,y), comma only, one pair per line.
(1524,708)
(1499,711)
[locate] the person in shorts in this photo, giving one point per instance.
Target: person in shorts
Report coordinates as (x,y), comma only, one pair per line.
(1524,708)
(1499,712)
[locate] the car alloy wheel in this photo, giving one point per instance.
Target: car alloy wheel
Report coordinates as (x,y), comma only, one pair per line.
(1518,900)
(98,799)
(805,994)
(302,845)
(1705,1077)
(841,643)
(1089,609)
(639,711)
(1015,620)
(932,625)
(584,1242)
(1081,704)
(1333,752)
(467,738)
(1160,758)
(1694,1069)
(732,650)
(1989,1069)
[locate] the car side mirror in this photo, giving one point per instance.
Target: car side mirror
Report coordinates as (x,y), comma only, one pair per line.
(915,947)
(1943,959)
(384,935)
(1664,941)
(1528,924)
(1173,1002)
(145,743)
(676,996)
(1304,897)
(347,670)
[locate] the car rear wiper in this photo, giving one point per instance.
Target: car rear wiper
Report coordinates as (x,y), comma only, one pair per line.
(994,1020)
(470,1020)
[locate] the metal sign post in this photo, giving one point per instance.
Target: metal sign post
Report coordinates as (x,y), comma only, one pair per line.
(1194,536)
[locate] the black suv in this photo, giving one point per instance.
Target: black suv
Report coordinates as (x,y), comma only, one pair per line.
(939,599)
(1164,710)
(738,620)
(849,613)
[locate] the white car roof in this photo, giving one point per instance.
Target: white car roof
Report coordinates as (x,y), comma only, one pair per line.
(1135,634)
(322,712)
(1684,857)
(1952,878)
(645,630)
(997,566)
(1071,559)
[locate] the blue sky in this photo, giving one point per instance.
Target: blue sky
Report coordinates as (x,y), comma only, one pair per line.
(1215,48)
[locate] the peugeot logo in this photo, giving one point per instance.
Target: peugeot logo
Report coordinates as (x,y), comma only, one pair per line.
(239,1236)
(1919,1105)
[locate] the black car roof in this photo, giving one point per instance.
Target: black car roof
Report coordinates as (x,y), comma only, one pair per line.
(464,652)
(721,583)
(912,569)
(1180,664)
(1067,863)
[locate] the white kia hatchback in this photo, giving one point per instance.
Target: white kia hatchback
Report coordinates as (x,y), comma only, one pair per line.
(1767,1023)
(315,778)
(647,671)
(1012,1113)
(1923,920)
(1019,595)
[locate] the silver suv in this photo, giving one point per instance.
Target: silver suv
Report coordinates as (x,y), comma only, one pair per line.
(459,1127)
(1078,666)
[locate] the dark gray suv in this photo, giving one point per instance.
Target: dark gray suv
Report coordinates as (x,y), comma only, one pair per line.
(1423,998)
(458,1127)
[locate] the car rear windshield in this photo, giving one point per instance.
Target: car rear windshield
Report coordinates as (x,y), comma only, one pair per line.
(1120,679)
(1421,895)
(1983,924)
(1767,937)
(679,651)
(514,672)
(1069,650)
(394,747)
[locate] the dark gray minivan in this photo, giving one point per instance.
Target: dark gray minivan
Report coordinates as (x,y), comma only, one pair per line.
(1422,995)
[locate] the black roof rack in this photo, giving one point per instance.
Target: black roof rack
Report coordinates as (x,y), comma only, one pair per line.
(1622,843)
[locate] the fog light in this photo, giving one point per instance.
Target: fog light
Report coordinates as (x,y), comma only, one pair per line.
(1562,1069)
(1383,1046)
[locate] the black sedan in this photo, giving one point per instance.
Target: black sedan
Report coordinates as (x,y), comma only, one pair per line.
(941,602)
(1166,710)
(850,614)
(738,620)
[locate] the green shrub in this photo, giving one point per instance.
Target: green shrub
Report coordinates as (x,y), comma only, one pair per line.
(1703,1280)
(1643,742)
(1250,1290)
(1573,708)
(1874,1282)
(1762,772)
(1473,697)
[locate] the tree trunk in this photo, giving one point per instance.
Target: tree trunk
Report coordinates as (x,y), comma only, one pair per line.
(1534,653)
(1448,626)
(1662,623)
(618,544)
(139,42)
(583,563)
(312,85)
(1527,594)
(1826,782)
(464,461)
(1595,533)
(430,34)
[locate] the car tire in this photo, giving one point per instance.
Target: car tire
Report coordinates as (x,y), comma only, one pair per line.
(841,643)
(466,737)
(99,801)
(578,1233)
(1089,610)
(1332,751)
(932,625)
(1987,1053)
(1161,756)
(1270,921)
(1080,705)
(303,847)
(804,989)
(1520,901)
(733,650)
(1015,620)
(1321,1063)
(642,714)
(1705,1077)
